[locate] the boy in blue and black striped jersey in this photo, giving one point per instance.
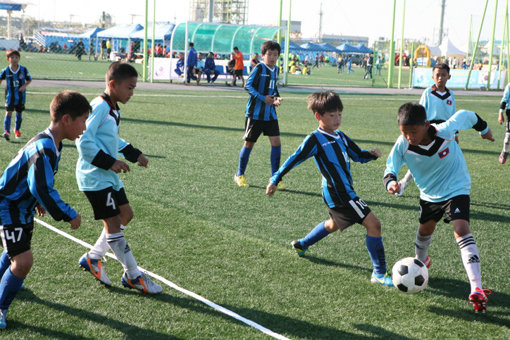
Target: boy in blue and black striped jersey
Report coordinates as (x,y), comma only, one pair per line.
(439,103)
(17,79)
(332,151)
(27,185)
(440,172)
(260,111)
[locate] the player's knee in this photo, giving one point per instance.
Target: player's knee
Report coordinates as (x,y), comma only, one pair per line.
(373,226)
(330,226)
(22,264)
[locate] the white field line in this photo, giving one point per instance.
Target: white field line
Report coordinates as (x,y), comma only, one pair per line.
(174,286)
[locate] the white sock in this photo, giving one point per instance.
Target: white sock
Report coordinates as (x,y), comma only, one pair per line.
(121,249)
(506,142)
(471,260)
(100,247)
(408,177)
(421,246)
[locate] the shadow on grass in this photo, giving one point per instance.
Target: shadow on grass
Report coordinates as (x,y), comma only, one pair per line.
(380,333)
(129,331)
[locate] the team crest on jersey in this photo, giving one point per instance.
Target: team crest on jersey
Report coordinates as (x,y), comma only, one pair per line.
(444,153)
(449,102)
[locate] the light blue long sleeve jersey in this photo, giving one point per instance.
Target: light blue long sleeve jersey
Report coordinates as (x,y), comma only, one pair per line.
(505,100)
(99,147)
(439,169)
(439,106)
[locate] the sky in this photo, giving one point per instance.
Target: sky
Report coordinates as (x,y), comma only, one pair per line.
(370,18)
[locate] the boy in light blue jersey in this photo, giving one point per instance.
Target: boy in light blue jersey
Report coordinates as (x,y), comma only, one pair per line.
(439,103)
(440,172)
(27,186)
(332,151)
(504,108)
(96,173)
(261,112)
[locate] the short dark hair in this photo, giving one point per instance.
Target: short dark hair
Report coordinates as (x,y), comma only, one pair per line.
(322,102)
(69,102)
(235,48)
(411,114)
(270,45)
(10,53)
(120,71)
(441,66)
(191,44)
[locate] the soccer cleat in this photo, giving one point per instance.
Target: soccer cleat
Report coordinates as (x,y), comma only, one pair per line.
(382,279)
(427,262)
(280,186)
(403,186)
(95,267)
(298,247)
(142,283)
(479,299)
(3,314)
(241,181)
(7,135)
(502,157)
(17,133)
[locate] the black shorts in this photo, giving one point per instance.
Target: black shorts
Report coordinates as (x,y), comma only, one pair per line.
(253,128)
(16,238)
(105,203)
(238,73)
(354,212)
(456,208)
(18,108)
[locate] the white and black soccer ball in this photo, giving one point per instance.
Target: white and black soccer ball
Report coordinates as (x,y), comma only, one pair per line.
(410,275)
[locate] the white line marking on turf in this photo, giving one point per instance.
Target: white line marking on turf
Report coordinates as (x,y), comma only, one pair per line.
(174,286)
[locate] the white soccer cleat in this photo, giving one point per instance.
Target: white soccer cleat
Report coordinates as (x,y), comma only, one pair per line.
(95,267)
(142,283)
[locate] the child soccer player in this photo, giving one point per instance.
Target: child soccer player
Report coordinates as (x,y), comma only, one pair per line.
(17,79)
(504,108)
(96,173)
(27,185)
(441,174)
(333,150)
(260,111)
(439,103)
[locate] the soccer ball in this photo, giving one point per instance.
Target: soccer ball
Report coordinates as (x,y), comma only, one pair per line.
(410,275)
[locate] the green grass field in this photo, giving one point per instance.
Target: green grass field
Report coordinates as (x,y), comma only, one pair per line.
(68,67)
(231,245)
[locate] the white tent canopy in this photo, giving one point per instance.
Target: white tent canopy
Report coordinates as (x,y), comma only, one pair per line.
(447,49)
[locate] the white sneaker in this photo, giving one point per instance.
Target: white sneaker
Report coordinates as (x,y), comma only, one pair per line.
(95,267)
(142,283)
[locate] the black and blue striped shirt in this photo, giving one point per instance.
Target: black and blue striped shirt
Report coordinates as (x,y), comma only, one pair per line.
(332,154)
(261,83)
(29,179)
(14,80)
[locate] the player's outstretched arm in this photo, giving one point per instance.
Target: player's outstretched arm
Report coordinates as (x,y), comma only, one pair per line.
(142,160)
(500,118)
(488,135)
(75,222)
(270,190)
(376,152)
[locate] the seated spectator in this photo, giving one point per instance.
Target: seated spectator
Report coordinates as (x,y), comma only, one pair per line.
(210,67)
(200,67)
(179,67)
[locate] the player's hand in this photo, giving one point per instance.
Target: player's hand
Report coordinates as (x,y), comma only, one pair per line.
(75,222)
(376,152)
(500,118)
(22,88)
(40,210)
(277,101)
(120,166)
(270,190)
(394,187)
(269,100)
(142,160)
(488,136)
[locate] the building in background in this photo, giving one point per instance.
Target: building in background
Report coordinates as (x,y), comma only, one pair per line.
(220,11)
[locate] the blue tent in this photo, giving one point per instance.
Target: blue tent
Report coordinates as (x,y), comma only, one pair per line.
(346,48)
(327,47)
(119,32)
(311,47)
(292,46)
(162,32)
(363,49)
(90,33)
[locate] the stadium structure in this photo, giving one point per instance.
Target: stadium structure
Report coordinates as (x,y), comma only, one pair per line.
(220,11)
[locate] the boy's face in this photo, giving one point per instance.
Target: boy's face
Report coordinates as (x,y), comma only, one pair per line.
(13,60)
(75,128)
(329,121)
(270,57)
(415,134)
(124,89)
(440,77)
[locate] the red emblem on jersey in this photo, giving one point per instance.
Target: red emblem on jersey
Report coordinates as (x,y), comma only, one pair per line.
(444,153)
(449,102)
